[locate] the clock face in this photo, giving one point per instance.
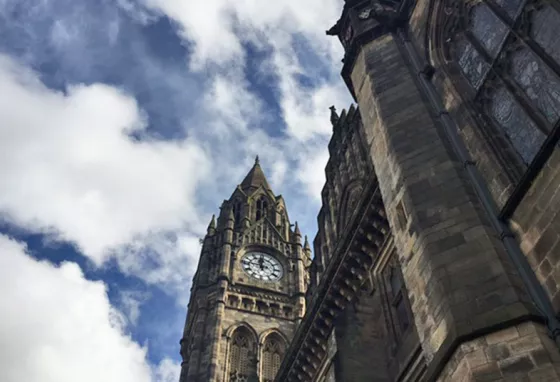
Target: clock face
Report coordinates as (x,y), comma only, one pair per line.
(262,266)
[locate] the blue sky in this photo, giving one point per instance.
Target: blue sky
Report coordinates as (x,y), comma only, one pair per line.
(123,125)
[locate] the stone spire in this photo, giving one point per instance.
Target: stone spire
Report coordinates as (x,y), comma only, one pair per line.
(297,233)
(306,246)
(255,178)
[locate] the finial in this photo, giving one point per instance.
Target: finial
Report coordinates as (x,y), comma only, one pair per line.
(306,246)
(334,115)
(296,230)
(257,160)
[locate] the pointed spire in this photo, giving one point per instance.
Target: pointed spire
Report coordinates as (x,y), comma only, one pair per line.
(212,225)
(255,178)
(306,246)
(296,230)
(334,115)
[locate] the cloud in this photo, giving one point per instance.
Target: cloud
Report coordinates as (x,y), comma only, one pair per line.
(167,260)
(69,165)
(84,165)
(218,28)
(130,304)
(59,327)
(167,371)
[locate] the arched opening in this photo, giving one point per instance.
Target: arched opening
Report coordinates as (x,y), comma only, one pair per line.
(242,356)
(262,208)
(273,350)
(237,211)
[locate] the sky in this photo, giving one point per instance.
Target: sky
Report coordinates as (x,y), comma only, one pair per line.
(123,126)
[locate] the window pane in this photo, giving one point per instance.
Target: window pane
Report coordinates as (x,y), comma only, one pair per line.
(538,82)
(512,7)
(402,315)
(472,64)
(488,29)
(545,30)
(519,128)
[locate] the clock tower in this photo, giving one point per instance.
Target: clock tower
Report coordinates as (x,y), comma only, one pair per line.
(248,293)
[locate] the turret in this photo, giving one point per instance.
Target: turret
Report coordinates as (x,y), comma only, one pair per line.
(297,234)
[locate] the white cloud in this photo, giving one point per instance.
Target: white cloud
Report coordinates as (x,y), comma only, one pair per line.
(165,260)
(70,168)
(57,326)
(167,371)
(68,165)
(218,27)
(130,304)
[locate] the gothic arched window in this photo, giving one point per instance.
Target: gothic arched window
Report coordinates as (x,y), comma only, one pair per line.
(398,299)
(508,54)
(237,211)
(273,351)
(242,353)
(397,306)
(262,208)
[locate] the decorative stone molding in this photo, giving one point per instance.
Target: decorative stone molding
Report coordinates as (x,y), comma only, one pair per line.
(357,250)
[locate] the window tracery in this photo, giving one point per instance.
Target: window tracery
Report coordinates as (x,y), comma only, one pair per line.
(508,54)
(242,355)
(273,351)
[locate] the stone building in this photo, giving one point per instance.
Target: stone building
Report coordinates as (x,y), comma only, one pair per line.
(437,256)
(438,250)
(248,294)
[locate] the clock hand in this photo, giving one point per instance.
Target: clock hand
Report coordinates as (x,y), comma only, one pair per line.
(261,262)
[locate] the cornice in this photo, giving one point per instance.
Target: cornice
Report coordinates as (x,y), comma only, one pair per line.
(261,293)
(355,253)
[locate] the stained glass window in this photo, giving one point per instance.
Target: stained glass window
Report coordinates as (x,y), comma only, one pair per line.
(538,82)
(545,29)
(487,28)
(273,351)
(511,7)
(472,64)
(510,50)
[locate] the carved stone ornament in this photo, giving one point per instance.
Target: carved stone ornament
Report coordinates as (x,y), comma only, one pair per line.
(365,13)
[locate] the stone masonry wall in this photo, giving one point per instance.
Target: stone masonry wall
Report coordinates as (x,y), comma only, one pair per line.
(537,223)
(519,353)
(458,276)
(361,342)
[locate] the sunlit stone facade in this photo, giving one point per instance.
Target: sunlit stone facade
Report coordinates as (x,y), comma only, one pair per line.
(438,251)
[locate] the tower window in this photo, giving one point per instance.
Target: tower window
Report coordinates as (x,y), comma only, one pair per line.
(395,302)
(272,354)
(262,207)
(242,356)
(398,299)
(237,211)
